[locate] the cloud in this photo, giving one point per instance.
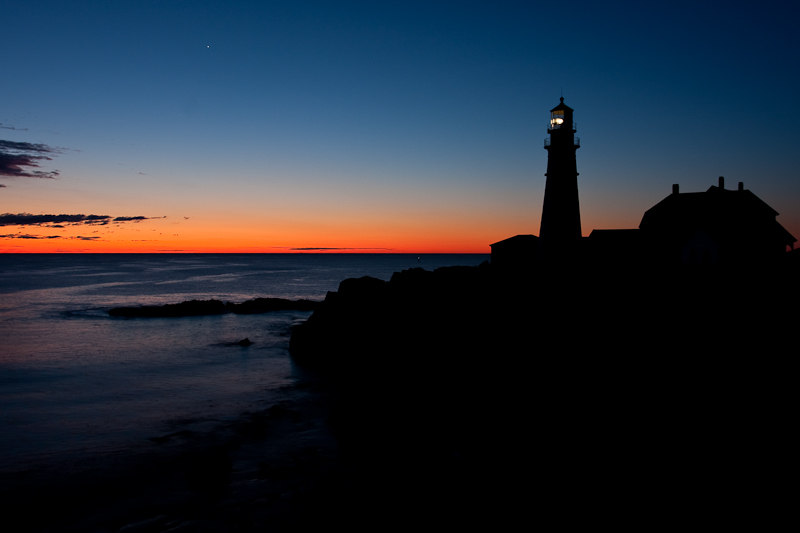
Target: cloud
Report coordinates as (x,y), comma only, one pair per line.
(6,127)
(134,219)
(23,236)
(1,185)
(27,219)
(58,221)
(17,159)
(324,249)
(27,236)
(63,220)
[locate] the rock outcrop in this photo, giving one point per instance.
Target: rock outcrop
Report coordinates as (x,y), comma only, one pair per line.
(560,388)
(214,307)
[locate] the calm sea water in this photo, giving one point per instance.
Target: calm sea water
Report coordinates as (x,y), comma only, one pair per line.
(76,383)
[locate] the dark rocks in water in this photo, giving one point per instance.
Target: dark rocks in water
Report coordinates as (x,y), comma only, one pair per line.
(214,307)
(245,342)
(190,308)
(265,305)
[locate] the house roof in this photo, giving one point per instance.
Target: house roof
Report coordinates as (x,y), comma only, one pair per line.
(718,211)
(614,236)
(516,240)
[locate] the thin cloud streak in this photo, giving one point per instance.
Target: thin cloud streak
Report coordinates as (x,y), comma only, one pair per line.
(25,236)
(135,219)
(45,237)
(319,249)
(6,127)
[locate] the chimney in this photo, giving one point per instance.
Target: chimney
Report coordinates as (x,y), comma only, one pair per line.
(741,185)
(674,188)
(721,182)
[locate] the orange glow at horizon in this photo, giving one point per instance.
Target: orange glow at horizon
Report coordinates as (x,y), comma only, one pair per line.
(417,233)
(277,237)
(206,246)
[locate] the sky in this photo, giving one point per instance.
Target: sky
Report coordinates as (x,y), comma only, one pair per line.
(404,127)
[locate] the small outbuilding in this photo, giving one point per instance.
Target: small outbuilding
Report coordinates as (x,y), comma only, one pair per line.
(519,251)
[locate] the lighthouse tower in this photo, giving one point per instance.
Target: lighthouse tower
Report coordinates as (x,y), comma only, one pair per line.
(560,232)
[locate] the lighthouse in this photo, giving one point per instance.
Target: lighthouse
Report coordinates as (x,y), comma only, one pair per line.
(560,232)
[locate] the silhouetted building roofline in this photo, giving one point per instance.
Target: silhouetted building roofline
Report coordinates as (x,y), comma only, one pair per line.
(515,252)
(720,225)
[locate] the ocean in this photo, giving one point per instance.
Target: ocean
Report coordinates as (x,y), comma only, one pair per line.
(77,385)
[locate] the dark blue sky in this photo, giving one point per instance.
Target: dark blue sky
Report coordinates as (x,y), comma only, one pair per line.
(367,123)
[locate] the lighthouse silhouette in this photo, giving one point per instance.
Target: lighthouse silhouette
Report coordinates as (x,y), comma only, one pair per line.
(718,226)
(560,232)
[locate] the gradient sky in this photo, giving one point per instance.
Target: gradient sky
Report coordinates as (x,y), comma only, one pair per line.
(378,126)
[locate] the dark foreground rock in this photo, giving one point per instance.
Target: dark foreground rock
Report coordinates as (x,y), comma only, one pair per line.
(214,307)
(474,397)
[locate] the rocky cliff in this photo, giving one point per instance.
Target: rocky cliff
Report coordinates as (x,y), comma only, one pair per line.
(602,395)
